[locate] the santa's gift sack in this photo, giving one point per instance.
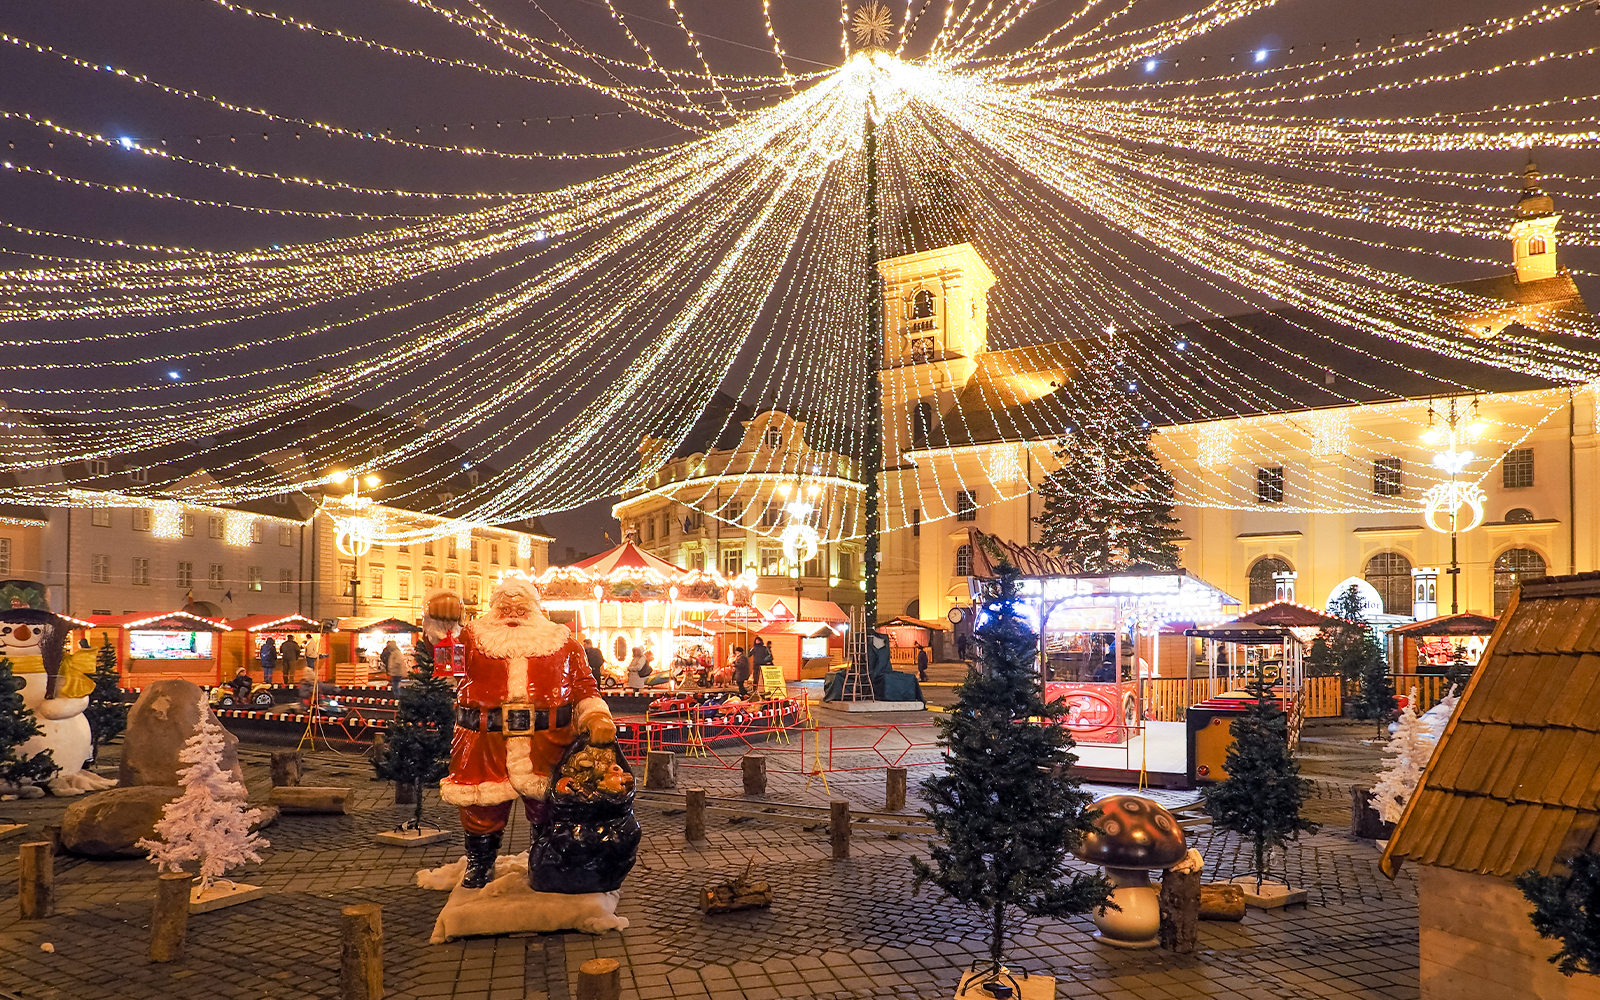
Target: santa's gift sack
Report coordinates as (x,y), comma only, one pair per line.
(591,838)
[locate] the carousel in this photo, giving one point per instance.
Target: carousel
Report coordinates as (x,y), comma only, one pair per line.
(626,599)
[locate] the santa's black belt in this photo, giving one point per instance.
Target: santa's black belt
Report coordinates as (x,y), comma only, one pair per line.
(513,721)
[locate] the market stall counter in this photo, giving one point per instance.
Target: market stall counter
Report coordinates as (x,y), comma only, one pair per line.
(175,644)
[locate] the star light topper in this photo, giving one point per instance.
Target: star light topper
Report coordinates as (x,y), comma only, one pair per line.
(872,26)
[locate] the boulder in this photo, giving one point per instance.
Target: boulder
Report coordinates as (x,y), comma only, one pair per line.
(159,723)
(108,824)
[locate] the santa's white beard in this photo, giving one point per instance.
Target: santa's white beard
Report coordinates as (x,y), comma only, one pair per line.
(534,635)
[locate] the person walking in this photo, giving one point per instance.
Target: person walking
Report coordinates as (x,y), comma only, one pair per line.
(760,656)
(268,654)
(597,662)
(741,668)
(638,669)
(394,662)
(922,662)
(289,656)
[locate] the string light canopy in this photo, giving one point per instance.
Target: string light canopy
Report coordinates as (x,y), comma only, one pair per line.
(1136,188)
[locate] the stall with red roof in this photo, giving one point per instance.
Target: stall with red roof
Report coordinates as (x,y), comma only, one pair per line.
(151,648)
(241,647)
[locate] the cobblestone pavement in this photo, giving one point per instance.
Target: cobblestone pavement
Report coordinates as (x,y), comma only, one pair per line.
(836,929)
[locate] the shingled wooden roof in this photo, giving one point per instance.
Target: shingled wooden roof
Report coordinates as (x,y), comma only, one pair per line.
(1515,781)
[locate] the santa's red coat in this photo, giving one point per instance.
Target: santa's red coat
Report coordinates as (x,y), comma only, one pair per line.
(538,664)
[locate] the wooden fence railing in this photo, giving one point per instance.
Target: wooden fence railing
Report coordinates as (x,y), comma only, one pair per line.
(1431,688)
(1167,699)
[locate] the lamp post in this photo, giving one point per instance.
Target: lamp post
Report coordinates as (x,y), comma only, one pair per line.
(800,539)
(353,531)
(1452,429)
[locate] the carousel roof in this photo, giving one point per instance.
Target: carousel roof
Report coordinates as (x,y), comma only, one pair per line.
(628,556)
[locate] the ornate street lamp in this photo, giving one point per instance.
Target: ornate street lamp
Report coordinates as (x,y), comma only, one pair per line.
(1451,430)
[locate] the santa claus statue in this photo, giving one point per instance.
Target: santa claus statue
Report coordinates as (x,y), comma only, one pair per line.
(526,695)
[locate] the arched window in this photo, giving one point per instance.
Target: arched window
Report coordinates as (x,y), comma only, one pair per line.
(921,424)
(1536,246)
(914,609)
(922,304)
(1390,575)
(964,560)
(1263,589)
(1519,515)
(1514,568)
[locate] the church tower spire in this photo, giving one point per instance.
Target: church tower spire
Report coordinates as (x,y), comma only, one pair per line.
(1533,230)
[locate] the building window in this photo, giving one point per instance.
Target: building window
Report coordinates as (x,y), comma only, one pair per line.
(1263,588)
(139,475)
(214,576)
(185,575)
(771,515)
(99,467)
(774,439)
(666,525)
(1516,469)
(732,561)
(141,519)
(253,577)
(257,532)
(188,525)
(376,593)
(916,522)
(771,560)
(731,510)
(649,529)
(1390,575)
(430,583)
(141,571)
(1386,477)
(1519,515)
(1514,568)
(347,576)
(966,508)
(427,547)
(100,517)
(473,550)
(100,569)
(922,304)
(285,534)
(285,581)
(404,585)
(964,560)
(472,591)
(213,527)
(1536,246)
(5,555)
(494,553)
(1269,484)
(847,566)
(921,424)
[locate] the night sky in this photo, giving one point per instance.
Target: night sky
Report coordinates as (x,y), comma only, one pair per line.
(199,44)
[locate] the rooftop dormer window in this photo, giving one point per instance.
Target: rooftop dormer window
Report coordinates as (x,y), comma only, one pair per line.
(773,439)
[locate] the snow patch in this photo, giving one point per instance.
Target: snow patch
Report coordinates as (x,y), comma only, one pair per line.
(508,906)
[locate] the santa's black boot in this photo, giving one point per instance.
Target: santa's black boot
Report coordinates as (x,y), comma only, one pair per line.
(481,849)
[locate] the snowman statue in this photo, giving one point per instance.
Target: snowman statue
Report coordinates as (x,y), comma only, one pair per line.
(56,688)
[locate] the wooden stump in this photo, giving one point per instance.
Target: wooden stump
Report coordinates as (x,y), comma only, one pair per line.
(1180,911)
(361,952)
(661,769)
(1364,820)
(694,814)
(839,828)
(36,878)
(311,799)
(894,789)
(600,979)
(287,768)
(754,766)
(169,922)
(740,894)
(405,793)
(1221,901)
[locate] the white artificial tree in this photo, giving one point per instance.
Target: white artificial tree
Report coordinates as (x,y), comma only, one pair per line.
(208,822)
(1409,750)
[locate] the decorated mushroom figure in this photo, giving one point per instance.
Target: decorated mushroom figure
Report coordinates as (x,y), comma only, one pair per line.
(1132,835)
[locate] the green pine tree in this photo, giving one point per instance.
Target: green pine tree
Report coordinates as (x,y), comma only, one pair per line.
(417,748)
(107,712)
(1459,671)
(1262,795)
(18,726)
(1375,695)
(1108,508)
(1007,825)
(1348,644)
(1567,907)
(1320,660)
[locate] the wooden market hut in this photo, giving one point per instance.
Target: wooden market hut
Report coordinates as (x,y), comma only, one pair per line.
(1425,647)
(150,648)
(1511,786)
(241,647)
(354,640)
